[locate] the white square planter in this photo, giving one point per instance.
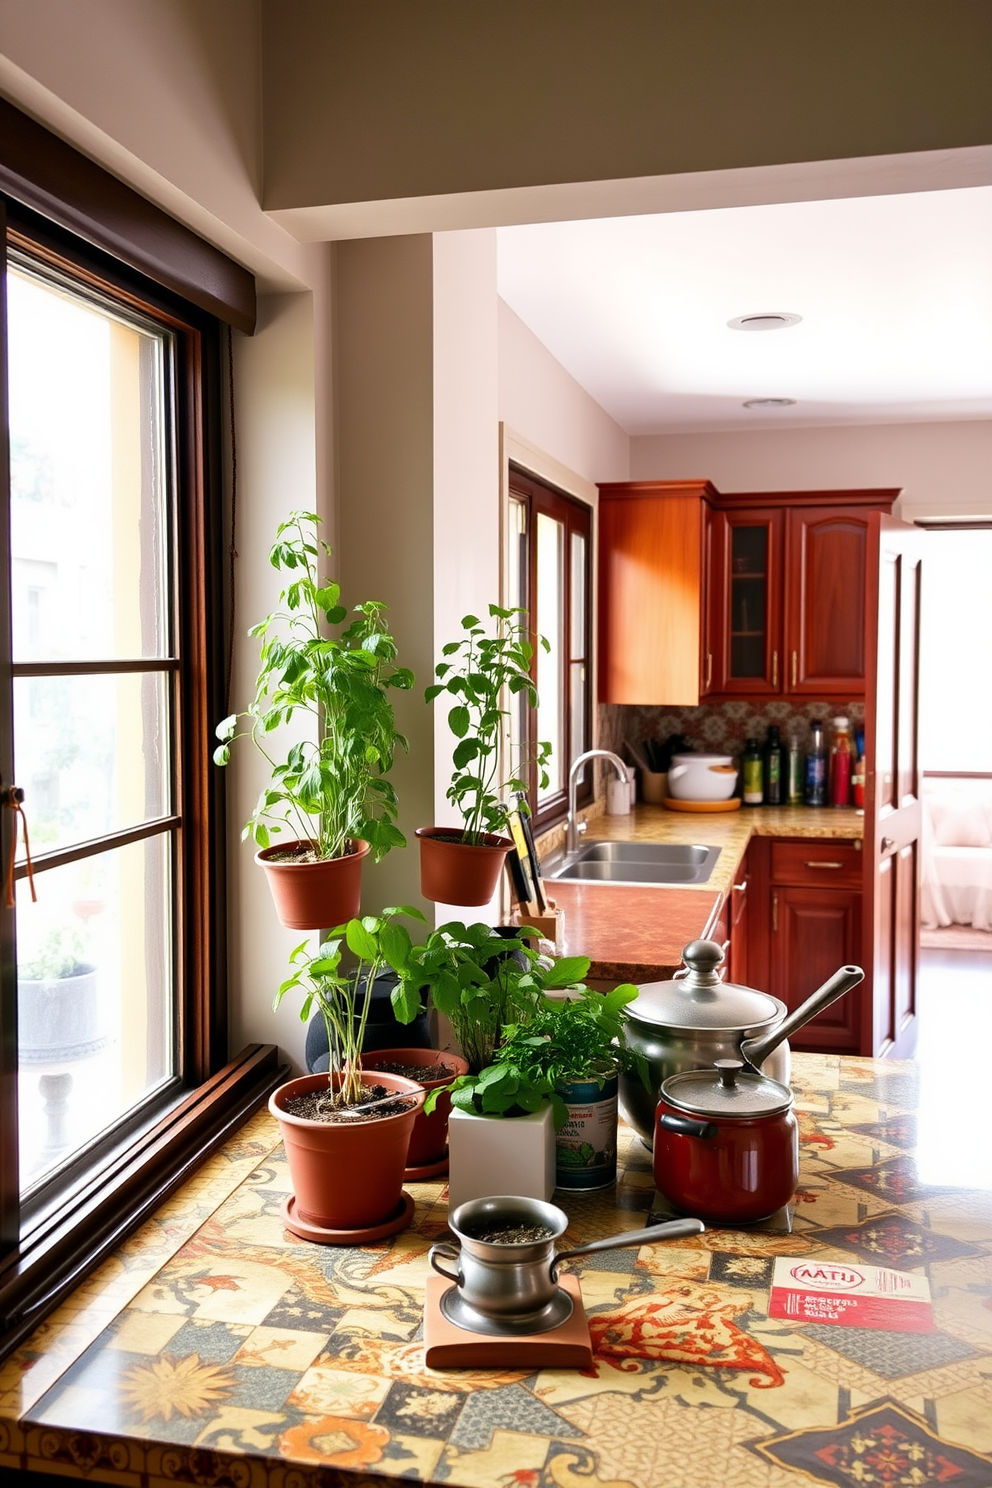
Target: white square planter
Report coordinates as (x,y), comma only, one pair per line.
(500,1155)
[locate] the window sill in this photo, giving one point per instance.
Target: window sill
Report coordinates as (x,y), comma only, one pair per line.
(64,1244)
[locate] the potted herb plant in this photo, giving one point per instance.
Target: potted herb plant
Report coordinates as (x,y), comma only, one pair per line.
(347,1132)
(501,1131)
(333,674)
(480,673)
(577,1045)
(58,1012)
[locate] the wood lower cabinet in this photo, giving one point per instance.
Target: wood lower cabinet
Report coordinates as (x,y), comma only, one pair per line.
(805,921)
(739,924)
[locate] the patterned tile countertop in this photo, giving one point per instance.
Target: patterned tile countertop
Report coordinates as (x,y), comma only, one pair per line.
(216,1349)
(637,934)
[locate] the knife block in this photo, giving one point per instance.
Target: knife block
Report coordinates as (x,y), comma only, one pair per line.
(551,924)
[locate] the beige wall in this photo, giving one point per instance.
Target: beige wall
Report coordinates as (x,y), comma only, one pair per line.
(397,101)
(542,402)
(942,468)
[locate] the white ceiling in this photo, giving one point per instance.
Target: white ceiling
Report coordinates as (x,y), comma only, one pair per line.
(895,294)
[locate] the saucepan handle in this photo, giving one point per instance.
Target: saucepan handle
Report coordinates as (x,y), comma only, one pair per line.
(687,1127)
(673,1229)
(451,1253)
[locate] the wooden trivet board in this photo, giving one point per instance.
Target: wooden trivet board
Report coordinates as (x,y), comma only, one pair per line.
(450,1347)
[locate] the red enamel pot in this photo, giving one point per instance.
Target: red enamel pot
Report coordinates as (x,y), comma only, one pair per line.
(726,1144)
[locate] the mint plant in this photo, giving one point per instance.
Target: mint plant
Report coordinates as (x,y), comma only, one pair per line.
(481,673)
(333,785)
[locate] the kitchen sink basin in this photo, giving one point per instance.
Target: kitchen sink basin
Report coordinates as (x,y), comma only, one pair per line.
(638,863)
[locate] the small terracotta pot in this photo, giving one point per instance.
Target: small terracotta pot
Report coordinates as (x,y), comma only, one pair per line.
(429,1142)
(314,896)
(346,1175)
(457,872)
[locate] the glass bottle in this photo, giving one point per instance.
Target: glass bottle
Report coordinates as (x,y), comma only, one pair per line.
(752,770)
(840,763)
(794,765)
(773,767)
(816,766)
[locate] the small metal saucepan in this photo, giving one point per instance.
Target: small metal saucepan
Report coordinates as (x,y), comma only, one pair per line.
(726,1140)
(513,1288)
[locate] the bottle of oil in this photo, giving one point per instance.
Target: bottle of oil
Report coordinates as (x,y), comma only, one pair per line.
(752,770)
(773,767)
(794,768)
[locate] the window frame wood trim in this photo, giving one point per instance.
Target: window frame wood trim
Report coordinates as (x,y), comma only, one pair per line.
(48,175)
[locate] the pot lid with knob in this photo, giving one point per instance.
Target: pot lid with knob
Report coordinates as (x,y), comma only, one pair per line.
(698,998)
(726,1090)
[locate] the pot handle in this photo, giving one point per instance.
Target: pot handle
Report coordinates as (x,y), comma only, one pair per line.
(674,771)
(687,1127)
(673,1229)
(451,1253)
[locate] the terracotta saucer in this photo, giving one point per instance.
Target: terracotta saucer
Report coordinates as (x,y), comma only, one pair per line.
(307,1231)
(675,804)
(437,1169)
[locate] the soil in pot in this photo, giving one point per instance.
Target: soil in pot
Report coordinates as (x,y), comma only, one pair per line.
(316,1106)
(428,1155)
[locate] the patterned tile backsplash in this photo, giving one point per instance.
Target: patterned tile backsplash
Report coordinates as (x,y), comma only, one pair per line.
(721,728)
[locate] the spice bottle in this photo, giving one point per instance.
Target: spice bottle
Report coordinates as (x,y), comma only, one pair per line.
(752,769)
(773,767)
(816,766)
(840,763)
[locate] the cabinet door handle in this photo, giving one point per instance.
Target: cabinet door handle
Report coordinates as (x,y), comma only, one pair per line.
(795,667)
(887,844)
(814,863)
(741,888)
(774,913)
(774,669)
(709,669)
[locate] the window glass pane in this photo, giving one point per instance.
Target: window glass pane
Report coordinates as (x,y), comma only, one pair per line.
(578,641)
(87,462)
(91,754)
(517,598)
(577,703)
(550,624)
(94,1000)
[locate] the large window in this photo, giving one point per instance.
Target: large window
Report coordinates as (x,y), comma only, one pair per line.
(548,574)
(114,1073)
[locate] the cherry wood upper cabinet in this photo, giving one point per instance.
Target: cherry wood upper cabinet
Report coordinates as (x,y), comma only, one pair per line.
(652,540)
(742,595)
(745,594)
(825,601)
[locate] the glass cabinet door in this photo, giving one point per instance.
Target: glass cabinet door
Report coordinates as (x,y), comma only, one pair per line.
(752,588)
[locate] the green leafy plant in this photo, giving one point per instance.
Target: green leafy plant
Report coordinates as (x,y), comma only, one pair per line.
(482,982)
(480,673)
(561,1041)
(60,954)
(332,786)
(343,995)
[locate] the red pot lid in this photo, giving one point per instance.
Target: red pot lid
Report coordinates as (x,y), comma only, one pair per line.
(726,1090)
(701,999)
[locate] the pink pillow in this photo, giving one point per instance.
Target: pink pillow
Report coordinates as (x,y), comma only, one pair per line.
(960,825)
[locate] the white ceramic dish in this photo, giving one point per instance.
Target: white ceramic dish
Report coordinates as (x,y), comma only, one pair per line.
(702,777)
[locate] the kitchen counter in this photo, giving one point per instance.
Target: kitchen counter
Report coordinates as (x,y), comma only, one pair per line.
(214,1348)
(636,934)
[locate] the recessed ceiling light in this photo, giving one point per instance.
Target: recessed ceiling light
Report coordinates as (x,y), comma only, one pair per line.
(765,320)
(769,403)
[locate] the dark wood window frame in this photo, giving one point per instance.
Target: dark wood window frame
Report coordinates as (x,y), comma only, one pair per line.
(538,495)
(64,212)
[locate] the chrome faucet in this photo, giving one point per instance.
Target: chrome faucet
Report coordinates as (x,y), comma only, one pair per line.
(572,827)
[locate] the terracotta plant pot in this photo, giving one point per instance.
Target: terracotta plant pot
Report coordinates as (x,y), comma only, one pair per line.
(347,1176)
(429,1142)
(314,896)
(457,872)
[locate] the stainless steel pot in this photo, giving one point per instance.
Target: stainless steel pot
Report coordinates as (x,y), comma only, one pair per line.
(689,1023)
(513,1288)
